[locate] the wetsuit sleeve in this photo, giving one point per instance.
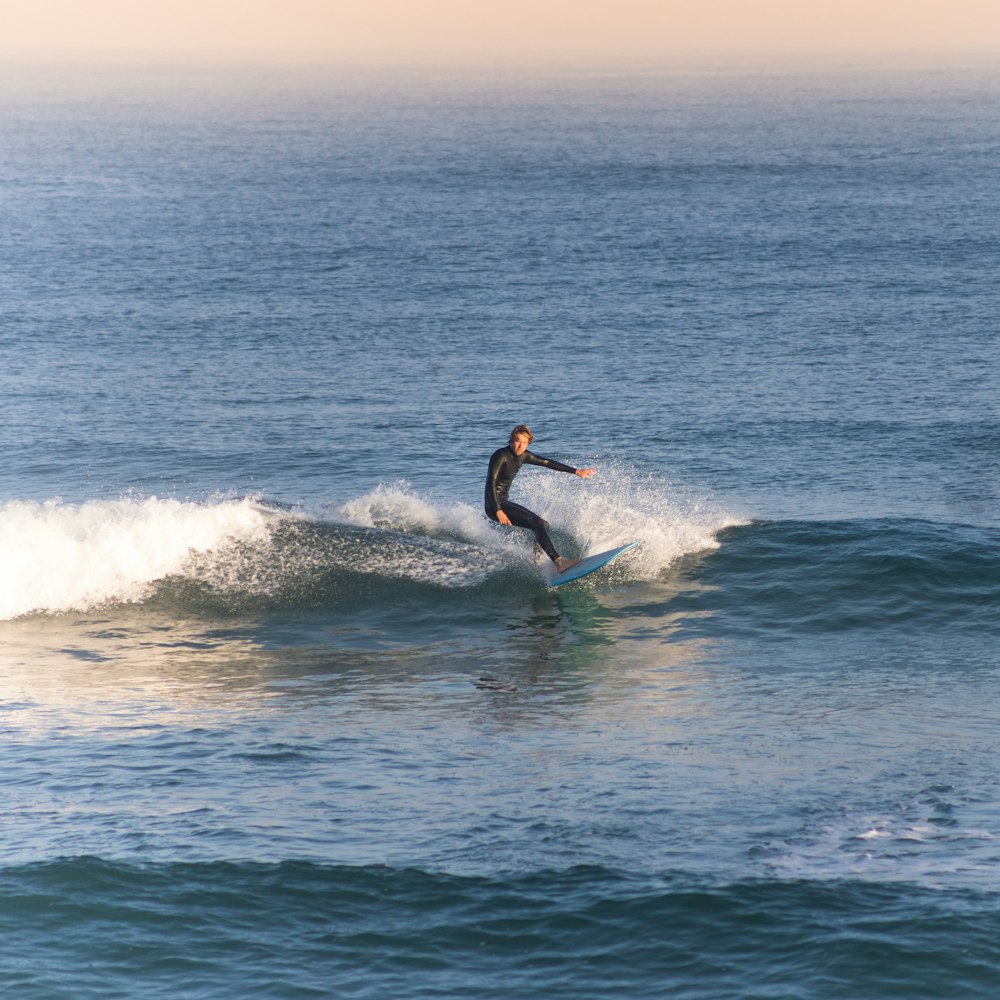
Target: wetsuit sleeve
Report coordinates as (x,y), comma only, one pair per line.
(549,463)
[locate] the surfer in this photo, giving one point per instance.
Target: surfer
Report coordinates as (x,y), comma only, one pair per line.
(504,466)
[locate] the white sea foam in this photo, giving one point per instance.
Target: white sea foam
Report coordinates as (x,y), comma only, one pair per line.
(56,556)
(393,506)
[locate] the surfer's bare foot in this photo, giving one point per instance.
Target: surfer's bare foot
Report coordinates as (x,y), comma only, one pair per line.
(564,564)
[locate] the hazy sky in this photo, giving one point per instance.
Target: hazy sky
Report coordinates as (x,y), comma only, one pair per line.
(468,26)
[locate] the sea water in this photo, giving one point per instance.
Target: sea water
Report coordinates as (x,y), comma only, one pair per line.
(285,716)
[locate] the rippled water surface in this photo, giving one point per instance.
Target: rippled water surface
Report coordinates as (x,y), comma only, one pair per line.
(284,715)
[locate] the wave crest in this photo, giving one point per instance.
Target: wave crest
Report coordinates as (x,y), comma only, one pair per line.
(65,557)
(232,554)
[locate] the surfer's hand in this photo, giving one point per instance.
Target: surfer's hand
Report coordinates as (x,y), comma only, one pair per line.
(585,473)
(503,518)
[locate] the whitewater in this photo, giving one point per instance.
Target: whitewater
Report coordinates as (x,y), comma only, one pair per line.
(61,557)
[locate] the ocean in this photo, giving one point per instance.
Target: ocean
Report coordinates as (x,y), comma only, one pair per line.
(285,716)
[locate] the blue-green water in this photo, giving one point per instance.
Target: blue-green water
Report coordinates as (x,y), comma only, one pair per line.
(285,716)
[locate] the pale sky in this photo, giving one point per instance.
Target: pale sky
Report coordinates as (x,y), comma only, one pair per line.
(533,27)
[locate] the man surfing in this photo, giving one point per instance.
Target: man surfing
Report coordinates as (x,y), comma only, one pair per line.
(505,464)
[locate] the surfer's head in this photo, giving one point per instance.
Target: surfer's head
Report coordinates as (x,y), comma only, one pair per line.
(520,438)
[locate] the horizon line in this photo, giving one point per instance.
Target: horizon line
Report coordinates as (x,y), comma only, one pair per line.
(466,56)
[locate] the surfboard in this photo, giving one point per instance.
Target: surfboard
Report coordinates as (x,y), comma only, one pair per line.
(588,565)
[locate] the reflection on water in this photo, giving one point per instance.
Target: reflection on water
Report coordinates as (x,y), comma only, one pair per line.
(475,731)
(565,646)
(385,735)
(90,669)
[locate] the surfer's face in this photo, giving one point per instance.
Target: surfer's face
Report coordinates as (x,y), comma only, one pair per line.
(519,444)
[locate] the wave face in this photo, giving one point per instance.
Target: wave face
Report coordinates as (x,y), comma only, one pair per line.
(238,555)
(788,578)
(242,553)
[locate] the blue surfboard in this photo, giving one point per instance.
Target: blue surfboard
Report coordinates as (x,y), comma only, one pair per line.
(588,565)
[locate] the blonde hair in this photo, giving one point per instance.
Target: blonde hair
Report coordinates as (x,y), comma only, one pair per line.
(521,430)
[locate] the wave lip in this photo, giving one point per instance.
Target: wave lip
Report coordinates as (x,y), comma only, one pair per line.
(58,557)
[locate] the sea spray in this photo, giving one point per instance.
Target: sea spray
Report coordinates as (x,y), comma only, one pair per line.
(397,507)
(620,505)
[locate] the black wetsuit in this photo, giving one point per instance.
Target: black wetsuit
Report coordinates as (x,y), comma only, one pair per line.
(504,466)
